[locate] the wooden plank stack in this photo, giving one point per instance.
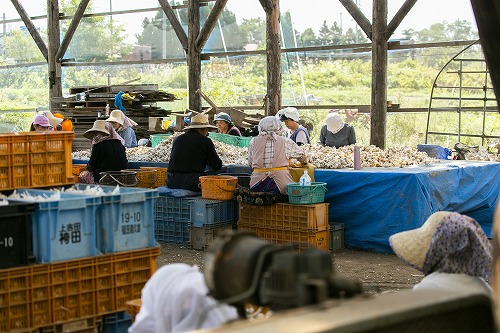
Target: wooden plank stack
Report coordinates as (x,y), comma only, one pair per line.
(86,102)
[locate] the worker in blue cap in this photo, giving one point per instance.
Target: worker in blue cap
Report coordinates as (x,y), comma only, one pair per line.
(224,124)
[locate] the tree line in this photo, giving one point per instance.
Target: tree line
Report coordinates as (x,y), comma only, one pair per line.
(102,39)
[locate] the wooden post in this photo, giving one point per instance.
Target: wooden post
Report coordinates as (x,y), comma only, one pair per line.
(379,74)
(53,32)
(273,53)
(193,55)
(487,14)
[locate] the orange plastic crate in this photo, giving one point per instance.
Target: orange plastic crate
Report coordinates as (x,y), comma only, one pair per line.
(105,293)
(285,216)
(41,312)
(303,239)
(73,286)
(35,159)
(14,300)
(88,325)
(132,269)
(47,295)
(50,155)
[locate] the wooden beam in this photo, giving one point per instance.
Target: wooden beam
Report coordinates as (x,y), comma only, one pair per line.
(179,31)
(358,16)
(267,5)
(71,29)
(398,18)
(194,56)
(31,28)
(210,24)
(273,52)
(54,67)
(487,14)
(379,75)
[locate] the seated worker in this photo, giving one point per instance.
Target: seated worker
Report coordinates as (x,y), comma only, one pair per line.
(41,124)
(336,133)
(268,155)
(224,124)
(174,300)
(123,125)
(107,152)
(191,153)
(298,133)
(452,251)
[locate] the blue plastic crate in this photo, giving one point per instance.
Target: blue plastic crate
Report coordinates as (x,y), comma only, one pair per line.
(63,229)
(16,245)
(125,221)
(213,213)
(118,322)
(172,219)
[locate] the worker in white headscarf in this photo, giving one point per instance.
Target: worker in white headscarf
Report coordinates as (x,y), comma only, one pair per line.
(336,133)
(269,154)
(173,301)
(298,133)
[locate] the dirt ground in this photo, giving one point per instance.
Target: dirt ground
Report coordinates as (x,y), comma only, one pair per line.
(376,272)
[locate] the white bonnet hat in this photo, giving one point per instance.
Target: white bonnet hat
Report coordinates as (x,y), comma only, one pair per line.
(334,122)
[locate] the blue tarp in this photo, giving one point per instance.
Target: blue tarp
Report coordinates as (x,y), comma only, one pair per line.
(375,203)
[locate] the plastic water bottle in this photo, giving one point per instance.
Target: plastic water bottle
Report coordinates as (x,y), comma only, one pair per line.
(357,158)
(107,110)
(305,180)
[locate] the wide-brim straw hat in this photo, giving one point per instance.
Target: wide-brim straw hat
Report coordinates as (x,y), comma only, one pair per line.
(54,121)
(99,127)
(412,245)
(116,116)
(199,121)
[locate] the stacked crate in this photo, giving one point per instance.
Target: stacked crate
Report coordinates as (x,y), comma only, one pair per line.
(304,225)
(35,159)
(49,296)
(193,221)
(171,219)
(209,218)
(71,263)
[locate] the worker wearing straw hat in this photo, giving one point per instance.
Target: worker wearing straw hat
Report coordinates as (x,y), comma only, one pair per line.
(452,251)
(192,152)
(107,152)
(123,126)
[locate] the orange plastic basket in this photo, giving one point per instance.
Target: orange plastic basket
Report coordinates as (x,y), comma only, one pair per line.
(161,175)
(218,187)
(146,178)
(77,168)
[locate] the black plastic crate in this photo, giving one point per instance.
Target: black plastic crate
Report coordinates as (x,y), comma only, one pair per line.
(16,246)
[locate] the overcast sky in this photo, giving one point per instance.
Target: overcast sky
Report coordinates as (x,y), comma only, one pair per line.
(305,13)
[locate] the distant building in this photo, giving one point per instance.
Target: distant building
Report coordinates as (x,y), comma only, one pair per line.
(139,53)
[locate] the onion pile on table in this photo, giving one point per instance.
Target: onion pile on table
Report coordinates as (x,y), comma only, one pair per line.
(322,157)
